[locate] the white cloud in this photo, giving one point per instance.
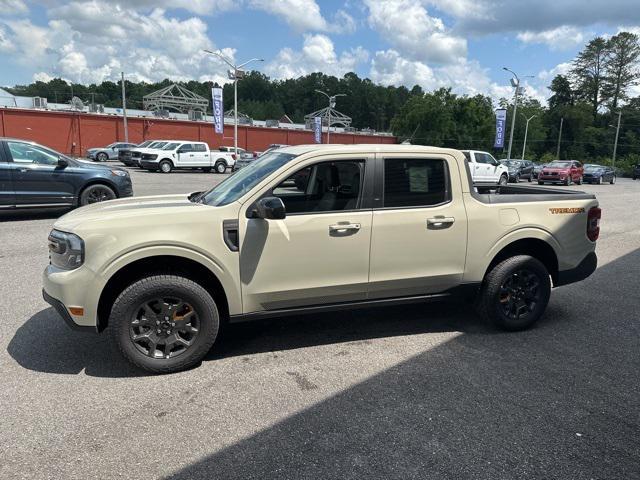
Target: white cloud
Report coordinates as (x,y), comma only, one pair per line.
(343,23)
(408,27)
(302,15)
(12,7)
(388,67)
(317,55)
(561,38)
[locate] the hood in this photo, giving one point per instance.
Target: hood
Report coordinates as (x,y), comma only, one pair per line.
(98,166)
(124,208)
(556,169)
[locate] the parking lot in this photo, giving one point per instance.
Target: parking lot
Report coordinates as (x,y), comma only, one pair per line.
(404,392)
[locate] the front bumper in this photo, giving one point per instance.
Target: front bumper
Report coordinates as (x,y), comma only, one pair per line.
(149,164)
(553,178)
(73,288)
(585,268)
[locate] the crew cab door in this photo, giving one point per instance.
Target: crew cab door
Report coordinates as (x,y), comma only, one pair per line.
(319,253)
(7,192)
(37,177)
(186,155)
(419,233)
(493,170)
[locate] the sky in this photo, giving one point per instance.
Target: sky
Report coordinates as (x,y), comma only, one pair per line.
(462,44)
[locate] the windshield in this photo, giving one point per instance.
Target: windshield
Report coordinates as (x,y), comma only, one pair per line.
(559,165)
(145,144)
(170,146)
(245,179)
(157,144)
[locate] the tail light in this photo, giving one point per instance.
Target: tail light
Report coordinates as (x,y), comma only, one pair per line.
(593,223)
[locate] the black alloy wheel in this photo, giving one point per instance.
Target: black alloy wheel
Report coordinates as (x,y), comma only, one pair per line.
(520,294)
(164,327)
(96,194)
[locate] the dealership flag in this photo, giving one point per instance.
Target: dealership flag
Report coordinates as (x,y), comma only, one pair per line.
(317,129)
(501,121)
(218,110)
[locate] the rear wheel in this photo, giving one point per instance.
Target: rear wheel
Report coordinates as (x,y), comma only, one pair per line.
(165,166)
(579,182)
(540,182)
(530,178)
(102,157)
(95,194)
(600,180)
(517,179)
(164,323)
(515,293)
(568,181)
(613,180)
(221,167)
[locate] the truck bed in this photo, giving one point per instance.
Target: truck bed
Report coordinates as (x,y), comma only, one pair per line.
(522,193)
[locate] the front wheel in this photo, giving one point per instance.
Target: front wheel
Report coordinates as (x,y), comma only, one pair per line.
(164,323)
(579,182)
(613,180)
(515,293)
(165,166)
(95,194)
(503,180)
(530,179)
(102,157)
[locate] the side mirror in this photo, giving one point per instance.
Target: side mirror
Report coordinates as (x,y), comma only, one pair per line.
(63,162)
(269,208)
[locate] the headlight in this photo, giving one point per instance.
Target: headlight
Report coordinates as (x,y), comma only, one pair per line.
(119,173)
(66,250)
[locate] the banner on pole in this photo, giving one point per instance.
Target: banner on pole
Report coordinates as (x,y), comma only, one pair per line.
(218,110)
(317,129)
(501,121)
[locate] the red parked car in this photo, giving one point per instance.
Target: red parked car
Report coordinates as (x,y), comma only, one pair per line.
(565,172)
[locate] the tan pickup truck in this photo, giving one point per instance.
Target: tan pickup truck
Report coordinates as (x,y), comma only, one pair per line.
(309,229)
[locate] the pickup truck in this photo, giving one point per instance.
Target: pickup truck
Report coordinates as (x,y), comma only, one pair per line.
(485,169)
(372,225)
(180,154)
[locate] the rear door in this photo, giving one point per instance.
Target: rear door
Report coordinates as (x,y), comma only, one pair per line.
(37,178)
(419,232)
(186,155)
(201,155)
(7,193)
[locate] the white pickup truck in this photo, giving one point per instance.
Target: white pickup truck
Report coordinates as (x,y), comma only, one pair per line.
(311,229)
(486,170)
(187,154)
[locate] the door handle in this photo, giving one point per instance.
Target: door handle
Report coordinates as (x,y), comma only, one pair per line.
(344,227)
(440,222)
(23,170)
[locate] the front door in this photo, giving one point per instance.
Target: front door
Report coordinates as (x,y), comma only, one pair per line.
(319,253)
(37,178)
(7,193)
(186,156)
(419,236)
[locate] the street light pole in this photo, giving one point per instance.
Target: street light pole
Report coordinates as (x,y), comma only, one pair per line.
(526,130)
(124,111)
(615,144)
(559,138)
(332,103)
(236,72)
(516,84)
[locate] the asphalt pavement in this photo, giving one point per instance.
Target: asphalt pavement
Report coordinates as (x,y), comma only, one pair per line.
(408,392)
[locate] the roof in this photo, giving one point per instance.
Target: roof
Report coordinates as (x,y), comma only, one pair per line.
(365,147)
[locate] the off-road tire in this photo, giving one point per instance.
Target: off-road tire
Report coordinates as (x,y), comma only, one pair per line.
(124,310)
(488,304)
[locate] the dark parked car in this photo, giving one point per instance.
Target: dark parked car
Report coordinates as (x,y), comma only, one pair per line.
(598,174)
(519,169)
(35,176)
(537,168)
(124,154)
(636,172)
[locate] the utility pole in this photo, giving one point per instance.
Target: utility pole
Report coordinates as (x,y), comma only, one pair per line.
(559,138)
(526,130)
(124,111)
(332,104)
(515,82)
(615,144)
(235,74)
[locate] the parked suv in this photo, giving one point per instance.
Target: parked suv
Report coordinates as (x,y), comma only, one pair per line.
(562,171)
(33,176)
(519,169)
(370,225)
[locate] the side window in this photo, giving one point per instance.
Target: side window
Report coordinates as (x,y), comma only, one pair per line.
(199,147)
(27,153)
(323,187)
(481,158)
(490,160)
(187,147)
(416,182)
(467,155)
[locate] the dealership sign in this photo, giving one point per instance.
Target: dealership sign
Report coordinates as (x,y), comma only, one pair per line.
(501,121)
(317,129)
(218,110)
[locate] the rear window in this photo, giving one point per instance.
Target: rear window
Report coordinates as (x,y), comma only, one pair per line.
(415,182)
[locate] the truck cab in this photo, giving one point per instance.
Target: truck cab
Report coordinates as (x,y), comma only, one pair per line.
(485,169)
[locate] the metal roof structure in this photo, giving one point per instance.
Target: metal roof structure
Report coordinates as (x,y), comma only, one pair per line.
(176,98)
(327,113)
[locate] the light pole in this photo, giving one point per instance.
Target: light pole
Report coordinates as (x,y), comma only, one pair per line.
(559,138)
(515,83)
(526,130)
(124,111)
(332,103)
(615,143)
(235,74)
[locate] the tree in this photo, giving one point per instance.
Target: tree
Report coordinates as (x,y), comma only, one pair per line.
(588,73)
(562,93)
(620,62)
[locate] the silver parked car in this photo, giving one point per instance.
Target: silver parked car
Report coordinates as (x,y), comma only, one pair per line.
(110,152)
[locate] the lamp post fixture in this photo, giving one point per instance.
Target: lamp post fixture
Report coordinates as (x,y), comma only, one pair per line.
(235,74)
(332,103)
(526,130)
(515,83)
